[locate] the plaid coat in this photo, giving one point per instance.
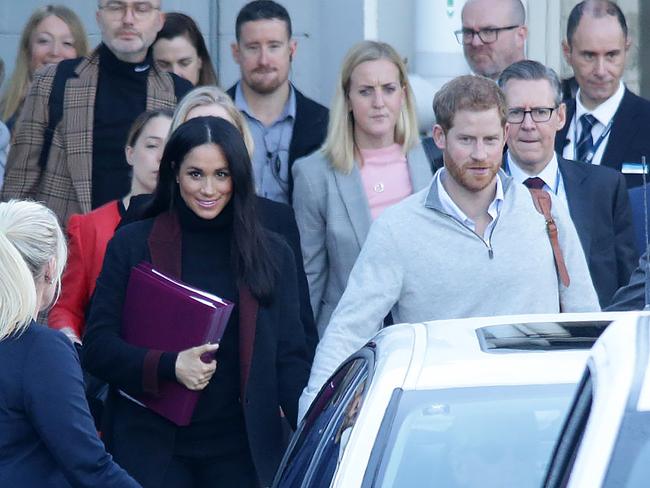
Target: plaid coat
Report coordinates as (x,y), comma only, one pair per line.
(65,184)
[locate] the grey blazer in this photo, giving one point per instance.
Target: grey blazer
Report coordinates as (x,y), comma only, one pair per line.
(333,218)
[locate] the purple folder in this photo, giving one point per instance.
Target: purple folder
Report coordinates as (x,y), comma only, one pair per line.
(165,314)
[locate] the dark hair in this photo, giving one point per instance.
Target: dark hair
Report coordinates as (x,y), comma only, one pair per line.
(253,264)
(142,120)
(532,71)
(262,10)
(597,9)
(178,24)
(469,92)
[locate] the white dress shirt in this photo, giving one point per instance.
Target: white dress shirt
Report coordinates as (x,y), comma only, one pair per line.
(551,176)
(604,114)
(454,210)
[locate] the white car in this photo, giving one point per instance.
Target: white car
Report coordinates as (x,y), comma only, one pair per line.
(457,403)
(606,439)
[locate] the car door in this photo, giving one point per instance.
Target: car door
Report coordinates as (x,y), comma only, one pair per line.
(318,445)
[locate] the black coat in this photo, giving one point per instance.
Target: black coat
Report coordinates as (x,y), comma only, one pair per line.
(629,139)
(309,129)
(273,356)
(276,217)
(600,210)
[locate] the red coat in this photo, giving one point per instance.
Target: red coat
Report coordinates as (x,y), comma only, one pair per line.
(88,236)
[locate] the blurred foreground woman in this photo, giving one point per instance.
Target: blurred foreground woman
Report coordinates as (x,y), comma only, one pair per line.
(47,436)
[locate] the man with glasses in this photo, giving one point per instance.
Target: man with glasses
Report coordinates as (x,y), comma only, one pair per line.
(596,196)
(285,124)
(493,35)
(79,163)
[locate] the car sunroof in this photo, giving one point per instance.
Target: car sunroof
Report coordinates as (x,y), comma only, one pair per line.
(540,336)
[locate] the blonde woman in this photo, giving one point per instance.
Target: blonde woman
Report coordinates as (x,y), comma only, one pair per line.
(48,436)
(371,159)
(52,33)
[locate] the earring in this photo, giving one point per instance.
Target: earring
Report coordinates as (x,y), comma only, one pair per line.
(48,279)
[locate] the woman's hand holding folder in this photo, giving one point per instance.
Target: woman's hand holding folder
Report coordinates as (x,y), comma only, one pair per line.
(191,370)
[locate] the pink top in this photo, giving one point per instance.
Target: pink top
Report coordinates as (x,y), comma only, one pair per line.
(385,177)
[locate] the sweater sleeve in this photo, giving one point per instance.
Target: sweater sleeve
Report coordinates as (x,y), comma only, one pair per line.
(373,289)
(310,218)
(580,295)
(56,405)
(69,310)
(105,354)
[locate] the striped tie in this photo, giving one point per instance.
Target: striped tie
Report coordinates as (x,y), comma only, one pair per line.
(585,144)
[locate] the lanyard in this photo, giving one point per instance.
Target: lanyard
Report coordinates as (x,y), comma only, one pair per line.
(599,141)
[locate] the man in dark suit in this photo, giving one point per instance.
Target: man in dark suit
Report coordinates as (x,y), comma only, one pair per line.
(285,124)
(607,123)
(596,196)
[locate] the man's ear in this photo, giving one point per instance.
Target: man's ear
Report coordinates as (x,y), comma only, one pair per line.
(439,137)
(561,116)
(566,50)
(234,49)
(293,46)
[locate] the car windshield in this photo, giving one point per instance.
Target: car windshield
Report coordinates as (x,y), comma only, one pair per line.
(471,437)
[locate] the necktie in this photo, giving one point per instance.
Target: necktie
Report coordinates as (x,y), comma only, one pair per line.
(585,143)
(535,183)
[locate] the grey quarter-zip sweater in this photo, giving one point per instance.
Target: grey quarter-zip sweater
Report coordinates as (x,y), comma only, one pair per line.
(423,264)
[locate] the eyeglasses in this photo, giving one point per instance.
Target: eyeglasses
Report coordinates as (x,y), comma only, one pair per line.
(538,114)
(487,36)
(117,10)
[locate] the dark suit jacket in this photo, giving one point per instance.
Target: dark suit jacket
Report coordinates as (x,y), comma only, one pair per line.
(600,210)
(309,128)
(276,217)
(638,215)
(47,436)
(272,355)
(629,139)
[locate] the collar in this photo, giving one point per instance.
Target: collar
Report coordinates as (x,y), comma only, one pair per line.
(604,112)
(108,62)
(289,110)
(449,207)
(549,174)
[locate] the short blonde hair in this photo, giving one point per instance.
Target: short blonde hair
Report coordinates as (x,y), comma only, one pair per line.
(339,144)
(30,237)
(18,86)
(212,95)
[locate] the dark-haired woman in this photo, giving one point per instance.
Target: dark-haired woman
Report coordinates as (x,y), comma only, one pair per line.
(202,220)
(180,49)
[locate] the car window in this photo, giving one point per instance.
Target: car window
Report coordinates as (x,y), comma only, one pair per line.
(471,437)
(313,456)
(630,463)
(566,448)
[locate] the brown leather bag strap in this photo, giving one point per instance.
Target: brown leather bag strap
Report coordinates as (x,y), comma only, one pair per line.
(542,201)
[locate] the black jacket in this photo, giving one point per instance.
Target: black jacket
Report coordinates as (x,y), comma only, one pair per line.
(276,217)
(273,357)
(629,139)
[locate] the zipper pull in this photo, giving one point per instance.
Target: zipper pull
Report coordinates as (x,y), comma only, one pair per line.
(490,252)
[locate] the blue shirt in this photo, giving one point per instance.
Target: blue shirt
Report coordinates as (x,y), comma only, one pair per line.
(271,156)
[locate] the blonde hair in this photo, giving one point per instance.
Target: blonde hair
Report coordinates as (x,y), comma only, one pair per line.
(16,91)
(30,237)
(212,95)
(340,144)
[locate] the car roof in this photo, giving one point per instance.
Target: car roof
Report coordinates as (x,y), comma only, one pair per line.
(519,350)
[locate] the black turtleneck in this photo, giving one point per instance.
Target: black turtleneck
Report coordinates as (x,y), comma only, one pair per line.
(121,97)
(218,423)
